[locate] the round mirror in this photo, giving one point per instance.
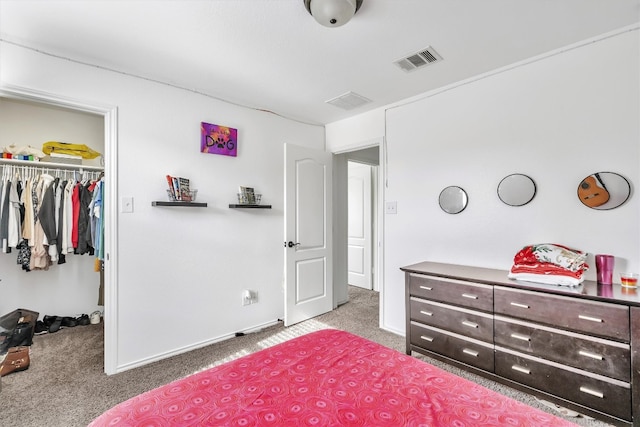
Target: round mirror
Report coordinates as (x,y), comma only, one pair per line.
(604,190)
(516,189)
(453,200)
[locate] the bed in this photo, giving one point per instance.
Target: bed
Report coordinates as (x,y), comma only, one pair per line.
(325,378)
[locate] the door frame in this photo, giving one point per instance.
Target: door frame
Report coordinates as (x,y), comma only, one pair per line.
(340,218)
(110,115)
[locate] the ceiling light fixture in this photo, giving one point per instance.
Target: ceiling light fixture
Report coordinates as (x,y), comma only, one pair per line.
(332,13)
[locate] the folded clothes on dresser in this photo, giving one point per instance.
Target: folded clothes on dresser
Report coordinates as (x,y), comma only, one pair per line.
(549,263)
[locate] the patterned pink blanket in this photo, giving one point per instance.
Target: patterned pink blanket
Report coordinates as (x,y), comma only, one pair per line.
(325,378)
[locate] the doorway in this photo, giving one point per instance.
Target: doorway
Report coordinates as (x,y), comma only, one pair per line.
(367,154)
(109,115)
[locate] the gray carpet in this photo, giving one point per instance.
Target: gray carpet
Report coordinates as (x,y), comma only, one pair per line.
(65,386)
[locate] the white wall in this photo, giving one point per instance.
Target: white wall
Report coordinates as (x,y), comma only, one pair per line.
(557,120)
(69,289)
(181,271)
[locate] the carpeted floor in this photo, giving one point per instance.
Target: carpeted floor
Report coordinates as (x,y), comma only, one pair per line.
(65,386)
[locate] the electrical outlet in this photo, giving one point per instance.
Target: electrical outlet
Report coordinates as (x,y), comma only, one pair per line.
(391,208)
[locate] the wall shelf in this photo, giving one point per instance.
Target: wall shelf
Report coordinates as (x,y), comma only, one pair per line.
(238,206)
(181,204)
(50,165)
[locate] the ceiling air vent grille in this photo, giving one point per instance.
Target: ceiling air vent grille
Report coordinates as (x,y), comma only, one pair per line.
(426,56)
(348,101)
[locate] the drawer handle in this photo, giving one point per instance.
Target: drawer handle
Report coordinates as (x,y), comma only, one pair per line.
(591,355)
(470,352)
(592,392)
(426,338)
(521,337)
(517,304)
(470,296)
(521,369)
(426,313)
(470,324)
(592,319)
(426,288)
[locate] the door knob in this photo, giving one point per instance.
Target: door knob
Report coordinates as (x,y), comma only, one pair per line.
(291,244)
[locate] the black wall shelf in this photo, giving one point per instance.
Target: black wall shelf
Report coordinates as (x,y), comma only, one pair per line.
(181,204)
(236,206)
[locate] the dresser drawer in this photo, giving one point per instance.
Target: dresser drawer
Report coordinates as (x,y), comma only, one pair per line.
(466,322)
(597,355)
(592,317)
(609,396)
(456,292)
(472,352)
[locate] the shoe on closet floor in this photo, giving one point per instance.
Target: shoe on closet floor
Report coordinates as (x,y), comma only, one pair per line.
(40,328)
(95,317)
(52,323)
(83,320)
(17,359)
(69,322)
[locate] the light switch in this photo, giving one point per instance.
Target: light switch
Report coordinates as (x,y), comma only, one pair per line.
(392,207)
(126,205)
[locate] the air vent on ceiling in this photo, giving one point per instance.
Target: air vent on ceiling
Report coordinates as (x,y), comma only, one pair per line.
(426,56)
(348,101)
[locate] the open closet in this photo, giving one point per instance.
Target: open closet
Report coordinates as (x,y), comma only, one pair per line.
(71,284)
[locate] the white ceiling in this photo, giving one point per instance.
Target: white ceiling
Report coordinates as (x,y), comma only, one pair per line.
(272,55)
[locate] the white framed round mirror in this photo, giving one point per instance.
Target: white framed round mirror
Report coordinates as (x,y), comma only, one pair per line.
(516,189)
(453,199)
(604,190)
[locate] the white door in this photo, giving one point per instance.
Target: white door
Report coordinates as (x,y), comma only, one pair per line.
(308,240)
(359,228)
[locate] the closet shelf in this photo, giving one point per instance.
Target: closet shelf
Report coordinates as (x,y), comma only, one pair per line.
(51,165)
(237,206)
(181,204)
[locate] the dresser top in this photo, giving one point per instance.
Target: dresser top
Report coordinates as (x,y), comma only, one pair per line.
(589,289)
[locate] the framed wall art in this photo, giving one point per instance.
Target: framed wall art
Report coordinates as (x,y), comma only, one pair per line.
(216,139)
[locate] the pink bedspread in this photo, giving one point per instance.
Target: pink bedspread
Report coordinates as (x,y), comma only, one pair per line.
(325,378)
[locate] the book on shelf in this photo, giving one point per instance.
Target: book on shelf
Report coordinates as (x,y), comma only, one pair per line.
(179,188)
(176,187)
(185,191)
(248,195)
(171,189)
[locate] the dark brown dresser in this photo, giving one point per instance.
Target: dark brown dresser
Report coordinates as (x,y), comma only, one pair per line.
(578,347)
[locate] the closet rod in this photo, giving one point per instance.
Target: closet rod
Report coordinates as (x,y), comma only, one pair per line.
(50,165)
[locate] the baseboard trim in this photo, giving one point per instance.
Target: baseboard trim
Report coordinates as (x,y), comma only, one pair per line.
(142,362)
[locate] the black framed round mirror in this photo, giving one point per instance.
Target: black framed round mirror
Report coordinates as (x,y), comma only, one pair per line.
(453,199)
(516,189)
(604,190)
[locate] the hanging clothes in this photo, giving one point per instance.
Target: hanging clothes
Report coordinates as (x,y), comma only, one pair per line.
(44,224)
(4,216)
(45,217)
(84,231)
(75,202)
(15,226)
(60,203)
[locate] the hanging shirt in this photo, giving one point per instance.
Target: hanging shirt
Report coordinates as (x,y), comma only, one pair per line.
(4,216)
(75,201)
(27,201)
(15,227)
